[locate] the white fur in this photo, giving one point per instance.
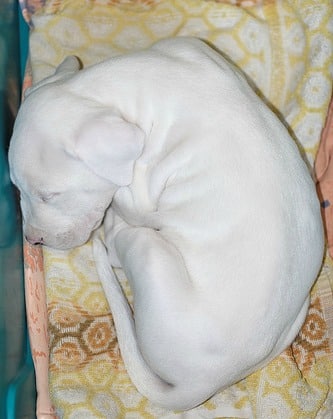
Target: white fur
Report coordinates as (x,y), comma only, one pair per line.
(212,213)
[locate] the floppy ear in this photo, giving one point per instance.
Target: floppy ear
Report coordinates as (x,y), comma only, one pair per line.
(69,66)
(109,146)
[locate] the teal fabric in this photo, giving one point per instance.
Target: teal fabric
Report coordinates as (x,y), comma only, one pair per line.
(17,388)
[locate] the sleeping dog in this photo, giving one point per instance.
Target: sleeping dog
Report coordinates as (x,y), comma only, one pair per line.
(210,210)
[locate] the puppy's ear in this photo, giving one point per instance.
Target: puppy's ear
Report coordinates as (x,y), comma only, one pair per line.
(109,146)
(71,64)
(68,67)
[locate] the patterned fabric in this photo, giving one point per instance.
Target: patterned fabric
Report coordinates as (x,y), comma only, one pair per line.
(324,175)
(36,308)
(286,48)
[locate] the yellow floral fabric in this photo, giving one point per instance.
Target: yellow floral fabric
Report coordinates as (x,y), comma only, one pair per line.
(286,49)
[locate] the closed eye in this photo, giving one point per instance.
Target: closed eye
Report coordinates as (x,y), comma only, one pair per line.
(45,197)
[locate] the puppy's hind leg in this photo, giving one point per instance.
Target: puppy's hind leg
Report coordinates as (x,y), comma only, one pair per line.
(152,266)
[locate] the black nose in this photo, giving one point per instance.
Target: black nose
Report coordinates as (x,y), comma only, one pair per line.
(34,241)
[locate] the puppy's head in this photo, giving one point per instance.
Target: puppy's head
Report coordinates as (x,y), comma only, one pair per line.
(67,157)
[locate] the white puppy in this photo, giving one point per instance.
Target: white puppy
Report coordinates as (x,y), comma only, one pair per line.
(212,213)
